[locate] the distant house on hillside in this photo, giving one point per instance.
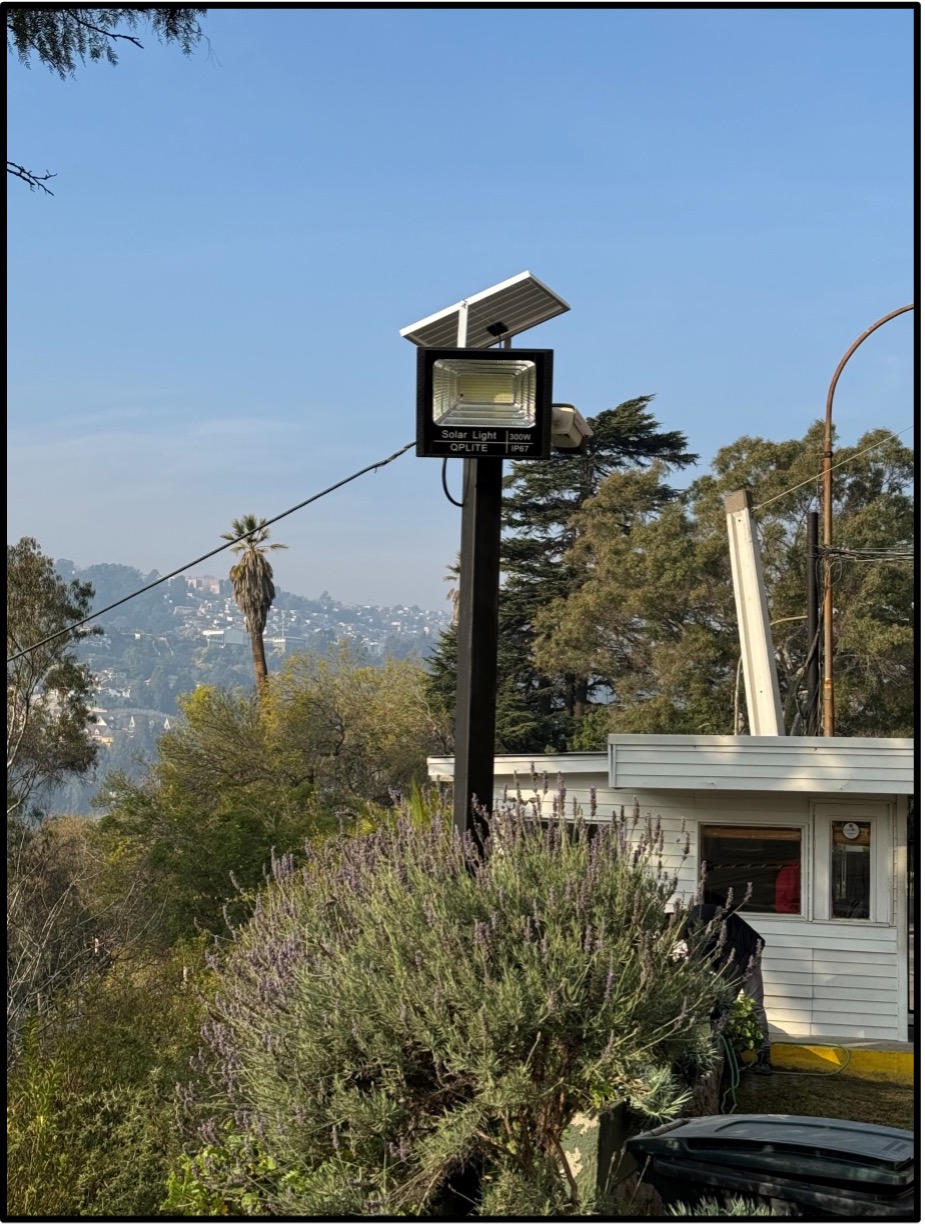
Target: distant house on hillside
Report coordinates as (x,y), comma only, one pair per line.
(100,732)
(204,584)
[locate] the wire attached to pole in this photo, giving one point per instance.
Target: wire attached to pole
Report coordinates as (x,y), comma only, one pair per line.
(446,491)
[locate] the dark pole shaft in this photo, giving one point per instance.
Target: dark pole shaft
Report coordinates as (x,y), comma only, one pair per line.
(477,655)
(812,623)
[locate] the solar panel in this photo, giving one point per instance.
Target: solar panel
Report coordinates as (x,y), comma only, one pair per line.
(494,314)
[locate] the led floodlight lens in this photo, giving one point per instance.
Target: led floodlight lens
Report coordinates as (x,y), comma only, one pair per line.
(485,388)
(474,393)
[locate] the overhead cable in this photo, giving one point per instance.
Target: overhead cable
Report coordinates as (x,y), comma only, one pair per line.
(218,550)
(846,461)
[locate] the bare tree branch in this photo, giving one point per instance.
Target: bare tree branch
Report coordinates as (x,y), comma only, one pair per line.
(72,15)
(34,181)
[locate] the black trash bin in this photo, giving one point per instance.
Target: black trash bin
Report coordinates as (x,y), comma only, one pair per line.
(811,1166)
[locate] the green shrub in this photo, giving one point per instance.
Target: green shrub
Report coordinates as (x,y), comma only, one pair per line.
(741,1028)
(402,1009)
(91,1116)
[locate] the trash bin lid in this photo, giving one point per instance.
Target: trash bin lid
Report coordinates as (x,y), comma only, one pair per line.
(850,1153)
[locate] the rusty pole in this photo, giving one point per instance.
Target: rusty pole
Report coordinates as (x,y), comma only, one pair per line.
(828,683)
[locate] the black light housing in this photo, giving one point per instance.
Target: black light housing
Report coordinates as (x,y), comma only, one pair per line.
(484,403)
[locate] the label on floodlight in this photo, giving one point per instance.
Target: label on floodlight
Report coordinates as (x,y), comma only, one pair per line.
(480,441)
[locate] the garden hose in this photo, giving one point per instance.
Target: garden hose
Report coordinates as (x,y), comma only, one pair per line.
(735,1079)
(732,1062)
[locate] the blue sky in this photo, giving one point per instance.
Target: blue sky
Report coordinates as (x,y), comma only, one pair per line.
(204,319)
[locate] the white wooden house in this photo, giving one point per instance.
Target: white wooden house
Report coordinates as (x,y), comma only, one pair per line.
(816,825)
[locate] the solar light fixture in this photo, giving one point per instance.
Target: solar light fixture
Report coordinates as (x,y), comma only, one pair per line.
(484,403)
(485,406)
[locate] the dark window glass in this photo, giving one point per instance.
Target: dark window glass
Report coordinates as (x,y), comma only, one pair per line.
(850,869)
(770,858)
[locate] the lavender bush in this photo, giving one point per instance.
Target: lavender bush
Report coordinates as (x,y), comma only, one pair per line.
(401,1008)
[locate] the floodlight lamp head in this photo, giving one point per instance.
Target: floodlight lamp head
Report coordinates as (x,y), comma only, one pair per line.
(570,431)
(486,403)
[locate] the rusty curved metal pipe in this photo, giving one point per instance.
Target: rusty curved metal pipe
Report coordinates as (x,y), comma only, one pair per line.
(828,654)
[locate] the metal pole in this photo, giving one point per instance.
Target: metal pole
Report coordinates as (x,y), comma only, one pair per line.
(477,631)
(828,684)
(477,654)
(812,624)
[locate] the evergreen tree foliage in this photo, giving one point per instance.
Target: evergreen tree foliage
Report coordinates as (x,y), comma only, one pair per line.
(653,607)
(59,36)
(403,1010)
(542,709)
(48,690)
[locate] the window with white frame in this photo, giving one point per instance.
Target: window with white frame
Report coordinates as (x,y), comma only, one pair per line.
(853,862)
(763,862)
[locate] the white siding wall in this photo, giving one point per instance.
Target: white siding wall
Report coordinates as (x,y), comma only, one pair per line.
(831,979)
(823,979)
(806,765)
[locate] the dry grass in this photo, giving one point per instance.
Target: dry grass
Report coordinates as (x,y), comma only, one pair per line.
(828,1095)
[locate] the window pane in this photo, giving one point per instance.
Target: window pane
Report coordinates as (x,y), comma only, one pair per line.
(850,869)
(769,858)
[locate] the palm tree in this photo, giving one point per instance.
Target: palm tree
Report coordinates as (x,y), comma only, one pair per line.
(252,580)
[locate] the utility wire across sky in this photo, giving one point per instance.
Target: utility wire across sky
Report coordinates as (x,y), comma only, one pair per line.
(211,554)
(337,485)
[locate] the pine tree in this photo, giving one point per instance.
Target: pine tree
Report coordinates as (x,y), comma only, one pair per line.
(539,711)
(655,608)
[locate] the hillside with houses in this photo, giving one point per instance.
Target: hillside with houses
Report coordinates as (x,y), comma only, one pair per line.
(189,632)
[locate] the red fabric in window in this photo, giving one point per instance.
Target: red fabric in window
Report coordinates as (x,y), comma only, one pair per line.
(787,888)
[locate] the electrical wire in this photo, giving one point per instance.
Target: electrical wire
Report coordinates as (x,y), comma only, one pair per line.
(837,465)
(869,556)
(455,502)
(211,554)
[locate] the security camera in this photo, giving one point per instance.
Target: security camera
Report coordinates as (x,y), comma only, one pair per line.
(569,429)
